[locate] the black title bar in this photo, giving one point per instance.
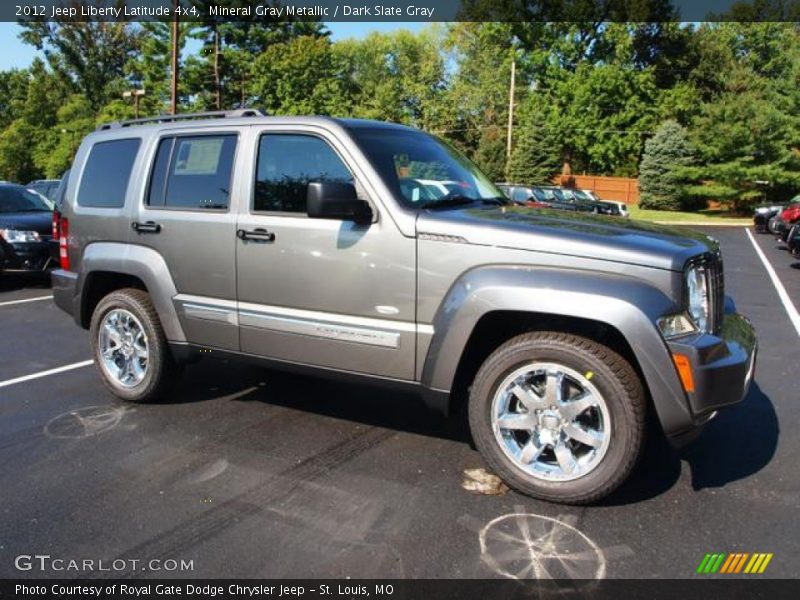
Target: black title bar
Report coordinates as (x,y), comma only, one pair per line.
(402,10)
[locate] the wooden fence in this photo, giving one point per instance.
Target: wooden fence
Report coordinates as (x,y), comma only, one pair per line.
(621,189)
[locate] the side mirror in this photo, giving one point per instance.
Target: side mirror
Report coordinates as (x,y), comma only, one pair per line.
(338,201)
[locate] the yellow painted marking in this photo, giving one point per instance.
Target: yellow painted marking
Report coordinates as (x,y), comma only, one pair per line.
(765,563)
(589,374)
(751,566)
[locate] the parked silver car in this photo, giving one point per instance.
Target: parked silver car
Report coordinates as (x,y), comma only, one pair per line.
(294,241)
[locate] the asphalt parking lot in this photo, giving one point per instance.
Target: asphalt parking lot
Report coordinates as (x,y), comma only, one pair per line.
(251,473)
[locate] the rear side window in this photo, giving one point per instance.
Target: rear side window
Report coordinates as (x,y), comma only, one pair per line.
(107,172)
(193,172)
(287,163)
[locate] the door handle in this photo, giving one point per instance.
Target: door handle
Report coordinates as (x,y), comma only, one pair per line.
(148,227)
(256,235)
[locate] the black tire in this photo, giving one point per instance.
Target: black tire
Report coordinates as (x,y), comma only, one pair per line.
(612,376)
(162,371)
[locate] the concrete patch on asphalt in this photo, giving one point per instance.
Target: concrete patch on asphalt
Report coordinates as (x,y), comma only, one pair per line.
(85,422)
(480,481)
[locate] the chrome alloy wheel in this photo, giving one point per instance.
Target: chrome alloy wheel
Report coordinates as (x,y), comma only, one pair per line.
(551,421)
(124,353)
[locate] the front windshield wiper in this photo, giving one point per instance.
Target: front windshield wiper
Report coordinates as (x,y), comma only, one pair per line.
(449,202)
(496,201)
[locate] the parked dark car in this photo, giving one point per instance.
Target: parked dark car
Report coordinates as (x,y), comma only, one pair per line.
(25,230)
(763,215)
(525,195)
(46,187)
(793,240)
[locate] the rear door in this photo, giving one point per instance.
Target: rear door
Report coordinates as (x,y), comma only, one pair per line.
(186,215)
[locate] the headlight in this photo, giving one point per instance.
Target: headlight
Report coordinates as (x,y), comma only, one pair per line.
(16,235)
(697,288)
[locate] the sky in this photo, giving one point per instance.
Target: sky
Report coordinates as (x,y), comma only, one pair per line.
(15,54)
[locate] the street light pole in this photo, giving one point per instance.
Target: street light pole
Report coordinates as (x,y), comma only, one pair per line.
(511,108)
(175,57)
(135,94)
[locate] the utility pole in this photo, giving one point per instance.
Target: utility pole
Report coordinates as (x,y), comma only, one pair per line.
(135,94)
(175,46)
(511,108)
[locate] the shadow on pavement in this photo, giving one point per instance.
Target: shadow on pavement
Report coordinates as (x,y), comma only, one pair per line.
(12,282)
(359,403)
(739,442)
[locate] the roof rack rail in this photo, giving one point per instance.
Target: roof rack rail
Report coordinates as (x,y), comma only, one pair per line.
(215,114)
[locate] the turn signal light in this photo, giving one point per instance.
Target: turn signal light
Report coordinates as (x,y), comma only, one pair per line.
(684,371)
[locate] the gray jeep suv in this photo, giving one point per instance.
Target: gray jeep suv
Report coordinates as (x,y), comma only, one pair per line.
(307,243)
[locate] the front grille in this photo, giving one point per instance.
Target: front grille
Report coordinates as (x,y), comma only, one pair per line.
(716,289)
(710,265)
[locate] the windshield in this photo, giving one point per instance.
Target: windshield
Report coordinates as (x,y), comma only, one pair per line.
(15,198)
(580,195)
(424,171)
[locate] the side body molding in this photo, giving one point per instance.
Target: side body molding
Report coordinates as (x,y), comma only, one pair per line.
(144,263)
(627,304)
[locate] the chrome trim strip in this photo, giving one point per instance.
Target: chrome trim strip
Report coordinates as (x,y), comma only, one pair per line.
(209,313)
(358,335)
(208,309)
(364,330)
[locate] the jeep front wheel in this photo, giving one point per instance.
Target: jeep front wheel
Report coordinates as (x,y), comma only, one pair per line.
(129,347)
(558,416)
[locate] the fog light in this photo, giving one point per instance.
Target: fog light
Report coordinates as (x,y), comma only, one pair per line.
(673,326)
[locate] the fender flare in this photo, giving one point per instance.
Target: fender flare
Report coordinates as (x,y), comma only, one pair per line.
(143,263)
(629,305)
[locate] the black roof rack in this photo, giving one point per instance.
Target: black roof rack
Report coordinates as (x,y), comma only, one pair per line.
(215,114)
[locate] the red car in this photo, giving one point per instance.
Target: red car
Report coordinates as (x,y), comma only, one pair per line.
(790,215)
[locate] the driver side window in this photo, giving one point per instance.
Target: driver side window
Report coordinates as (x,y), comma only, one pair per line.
(287,163)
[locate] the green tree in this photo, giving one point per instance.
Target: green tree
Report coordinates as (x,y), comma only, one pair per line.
(397,76)
(13,91)
(88,56)
(16,152)
(151,68)
(662,185)
(300,77)
(536,155)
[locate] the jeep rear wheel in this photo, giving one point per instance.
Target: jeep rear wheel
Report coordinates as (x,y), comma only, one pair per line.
(129,347)
(558,416)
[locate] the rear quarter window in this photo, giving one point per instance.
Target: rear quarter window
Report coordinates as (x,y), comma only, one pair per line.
(107,172)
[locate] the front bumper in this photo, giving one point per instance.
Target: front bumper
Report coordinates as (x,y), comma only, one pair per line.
(722,370)
(26,257)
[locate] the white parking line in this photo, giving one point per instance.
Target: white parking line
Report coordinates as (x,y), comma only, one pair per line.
(788,305)
(40,374)
(10,302)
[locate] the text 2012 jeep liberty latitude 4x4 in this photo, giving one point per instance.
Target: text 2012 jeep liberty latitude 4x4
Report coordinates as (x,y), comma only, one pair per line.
(322,246)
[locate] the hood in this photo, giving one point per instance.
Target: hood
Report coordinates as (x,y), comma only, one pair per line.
(40,221)
(558,232)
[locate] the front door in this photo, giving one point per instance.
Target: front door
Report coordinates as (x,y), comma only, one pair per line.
(321,292)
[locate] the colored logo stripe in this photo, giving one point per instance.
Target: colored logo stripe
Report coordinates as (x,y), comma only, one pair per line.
(734,563)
